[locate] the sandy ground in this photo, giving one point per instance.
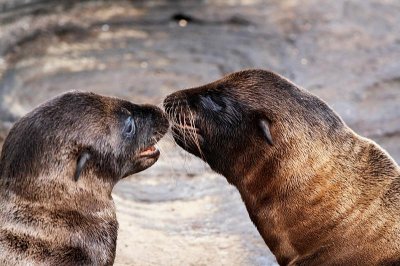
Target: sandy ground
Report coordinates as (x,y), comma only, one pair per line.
(179,212)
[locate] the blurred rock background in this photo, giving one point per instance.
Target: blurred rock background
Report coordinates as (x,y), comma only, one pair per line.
(179,212)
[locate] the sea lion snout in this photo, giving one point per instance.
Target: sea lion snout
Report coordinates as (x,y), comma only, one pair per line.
(209,123)
(157,117)
(152,125)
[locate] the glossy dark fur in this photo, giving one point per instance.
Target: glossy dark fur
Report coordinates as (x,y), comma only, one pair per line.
(318,193)
(51,213)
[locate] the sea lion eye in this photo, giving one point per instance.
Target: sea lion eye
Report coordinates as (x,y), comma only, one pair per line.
(212,103)
(130,127)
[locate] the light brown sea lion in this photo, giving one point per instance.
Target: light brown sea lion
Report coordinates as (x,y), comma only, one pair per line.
(58,166)
(318,193)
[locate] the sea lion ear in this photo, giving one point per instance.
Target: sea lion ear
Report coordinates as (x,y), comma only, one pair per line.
(264,126)
(81,163)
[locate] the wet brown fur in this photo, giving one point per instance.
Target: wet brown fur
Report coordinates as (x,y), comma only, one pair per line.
(46,216)
(320,194)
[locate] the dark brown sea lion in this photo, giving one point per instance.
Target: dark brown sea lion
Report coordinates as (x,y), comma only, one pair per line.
(318,193)
(58,166)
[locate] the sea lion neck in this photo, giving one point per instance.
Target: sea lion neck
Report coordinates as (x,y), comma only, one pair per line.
(281,173)
(287,201)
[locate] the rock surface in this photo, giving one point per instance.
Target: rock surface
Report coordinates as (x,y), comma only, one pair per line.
(178,212)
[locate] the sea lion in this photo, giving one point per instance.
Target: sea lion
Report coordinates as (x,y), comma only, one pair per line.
(318,193)
(58,166)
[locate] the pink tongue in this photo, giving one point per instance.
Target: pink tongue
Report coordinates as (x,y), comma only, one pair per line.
(152,148)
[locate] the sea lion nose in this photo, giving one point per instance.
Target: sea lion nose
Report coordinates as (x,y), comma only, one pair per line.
(157,115)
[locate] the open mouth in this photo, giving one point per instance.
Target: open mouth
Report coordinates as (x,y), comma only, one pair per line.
(150,152)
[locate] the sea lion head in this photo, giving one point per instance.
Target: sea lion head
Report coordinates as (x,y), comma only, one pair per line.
(248,119)
(82,134)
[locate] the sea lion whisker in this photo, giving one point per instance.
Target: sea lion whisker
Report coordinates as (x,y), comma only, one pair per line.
(185,129)
(181,124)
(195,135)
